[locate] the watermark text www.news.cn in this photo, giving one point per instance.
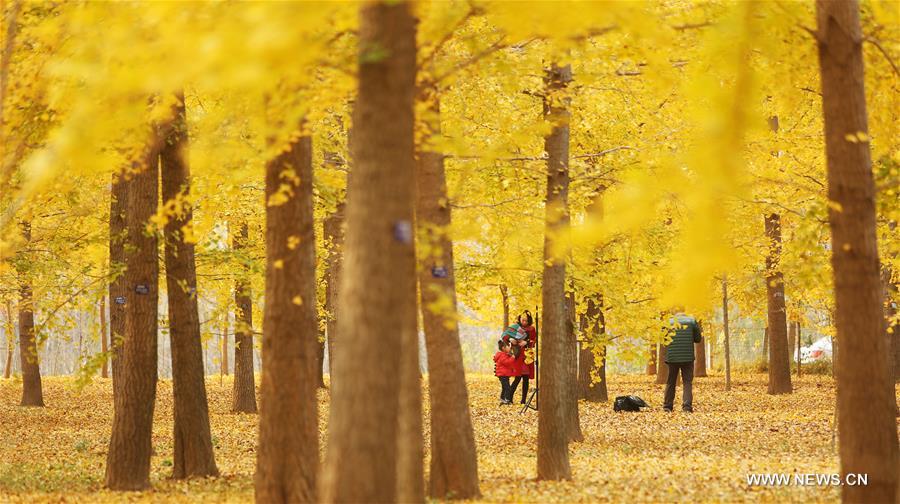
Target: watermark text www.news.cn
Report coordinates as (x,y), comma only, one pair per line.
(807,479)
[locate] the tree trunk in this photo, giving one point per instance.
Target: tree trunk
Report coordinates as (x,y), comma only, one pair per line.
(700,360)
(410,444)
(662,369)
(223,350)
(128,458)
(117,290)
(725,329)
(651,360)
(504,294)
(799,345)
(193,455)
(595,328)
(334,238)
(104,346)
(243,393)
(779,355)
(867,428)
(288,454)
(32,392)
(553,440)
(378,277)
(454,461)
(571,361)
(10,341)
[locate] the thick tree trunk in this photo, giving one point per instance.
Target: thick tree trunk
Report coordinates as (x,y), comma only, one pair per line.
(32,392)
(662,369)
(104,347)
(700,359)
(288,454)
(779,355)
(243,394)
(128,458)
(454,461)
(334,238)
(117,295)
(571,360)
(378,277)
(725,329)
(866,424)
(595,327)
(651,359)
(193,455)
(553,440)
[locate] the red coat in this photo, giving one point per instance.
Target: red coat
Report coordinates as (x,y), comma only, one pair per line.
(528,369)
(504,364)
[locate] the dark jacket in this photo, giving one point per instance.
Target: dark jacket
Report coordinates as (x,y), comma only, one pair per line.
(685,331)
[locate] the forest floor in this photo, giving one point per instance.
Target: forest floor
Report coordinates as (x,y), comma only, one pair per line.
(58,453)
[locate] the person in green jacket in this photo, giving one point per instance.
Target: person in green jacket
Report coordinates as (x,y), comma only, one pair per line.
(685,331)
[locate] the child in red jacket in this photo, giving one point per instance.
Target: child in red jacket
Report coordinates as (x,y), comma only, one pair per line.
(504,367)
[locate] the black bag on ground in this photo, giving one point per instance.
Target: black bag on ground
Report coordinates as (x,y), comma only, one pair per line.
(629,403)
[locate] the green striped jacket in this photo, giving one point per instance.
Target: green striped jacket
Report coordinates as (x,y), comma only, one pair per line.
(685,332)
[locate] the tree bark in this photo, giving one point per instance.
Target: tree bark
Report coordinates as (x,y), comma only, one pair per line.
(553,440)
(651,360)
(571,360)
(223,349)
(128,458)
(243,393)
(288,454)
(10,341)
(193,455)
(117,289)
(779,355)
(595,328)
(104,347)
(32,391)
(700,360)
(454,461)
(725,329)
(866,422)
(662,369)
(378,277)
(334,237)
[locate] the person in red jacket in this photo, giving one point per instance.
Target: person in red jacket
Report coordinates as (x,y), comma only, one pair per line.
(504,367)
(525,371)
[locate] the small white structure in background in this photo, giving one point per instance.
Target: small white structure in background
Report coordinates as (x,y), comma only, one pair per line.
(819,350)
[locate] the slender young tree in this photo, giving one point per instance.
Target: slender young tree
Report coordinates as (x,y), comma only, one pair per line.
(378,272)
(193,455)
(779,355)
(117,295)
(128,458)
(651,360)
(32,391)
(662,369)
(700,360)
(454,462)
(10,340)
(243,393)
(553,431)
(287,459)
(866,422)
(725,329)
(571,376)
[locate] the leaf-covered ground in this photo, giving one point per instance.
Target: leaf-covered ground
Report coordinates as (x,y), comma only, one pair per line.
(58,453)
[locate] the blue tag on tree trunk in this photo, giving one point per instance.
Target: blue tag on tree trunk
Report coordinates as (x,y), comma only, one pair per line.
(439,272)
(142,289)
(120,300)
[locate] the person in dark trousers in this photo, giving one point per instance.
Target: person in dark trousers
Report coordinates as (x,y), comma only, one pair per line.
(504,367)
(685,331)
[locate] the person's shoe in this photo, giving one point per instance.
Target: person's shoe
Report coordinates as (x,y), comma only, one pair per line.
(688,409)
(667,410)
